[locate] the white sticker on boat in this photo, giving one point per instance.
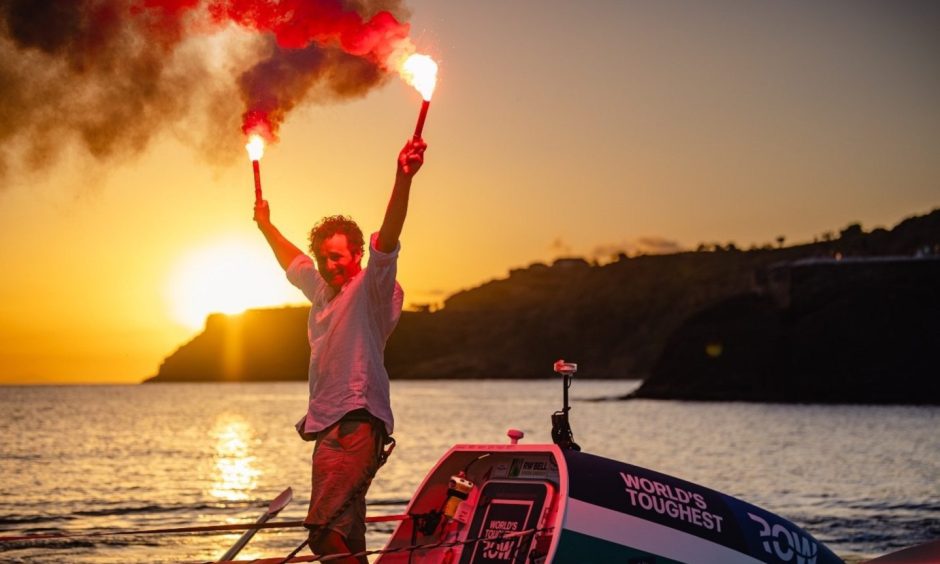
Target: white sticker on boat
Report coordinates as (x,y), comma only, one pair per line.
(531,468)
(793,545)
(671,501)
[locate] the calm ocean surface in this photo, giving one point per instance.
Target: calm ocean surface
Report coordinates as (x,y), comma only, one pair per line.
(862,479)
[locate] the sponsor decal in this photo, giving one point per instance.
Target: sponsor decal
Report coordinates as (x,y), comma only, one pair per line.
(503,516)
(786,544)
(531,468)
(670,501)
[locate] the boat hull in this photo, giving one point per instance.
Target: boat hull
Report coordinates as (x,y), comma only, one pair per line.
(541,503)
(628,513)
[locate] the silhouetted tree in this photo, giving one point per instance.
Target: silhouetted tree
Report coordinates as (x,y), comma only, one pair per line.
(851,231)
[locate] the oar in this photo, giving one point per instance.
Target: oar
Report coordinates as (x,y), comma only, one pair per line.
(280,502)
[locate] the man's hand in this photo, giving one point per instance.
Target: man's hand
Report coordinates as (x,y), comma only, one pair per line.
(262,213)
(411,157)
(284,250)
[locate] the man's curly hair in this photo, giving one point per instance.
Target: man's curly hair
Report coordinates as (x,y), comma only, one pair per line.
(331,225)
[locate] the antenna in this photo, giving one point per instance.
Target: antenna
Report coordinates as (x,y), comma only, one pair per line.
(561,429)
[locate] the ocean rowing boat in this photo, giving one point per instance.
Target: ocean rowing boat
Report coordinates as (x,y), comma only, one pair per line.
(537,503)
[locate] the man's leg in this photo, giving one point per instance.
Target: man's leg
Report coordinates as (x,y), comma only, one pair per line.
(357,547)
(343,462)
(332,542)
(329,541)
(356,539)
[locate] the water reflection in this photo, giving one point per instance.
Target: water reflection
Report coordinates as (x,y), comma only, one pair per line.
(236,474)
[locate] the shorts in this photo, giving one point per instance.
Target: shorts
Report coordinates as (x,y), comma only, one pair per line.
(345,458)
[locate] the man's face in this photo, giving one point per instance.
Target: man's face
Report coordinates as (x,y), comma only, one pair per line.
(336,263)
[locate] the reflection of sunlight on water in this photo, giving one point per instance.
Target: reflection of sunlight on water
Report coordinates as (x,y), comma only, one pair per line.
(236,474)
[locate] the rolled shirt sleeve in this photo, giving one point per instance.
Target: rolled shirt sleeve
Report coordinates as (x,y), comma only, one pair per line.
(302,274)
(385,294)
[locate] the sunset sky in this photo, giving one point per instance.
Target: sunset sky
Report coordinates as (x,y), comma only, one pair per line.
(557,128)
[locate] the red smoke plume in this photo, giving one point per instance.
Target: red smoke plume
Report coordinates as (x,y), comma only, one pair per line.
(306,31)
(114,73)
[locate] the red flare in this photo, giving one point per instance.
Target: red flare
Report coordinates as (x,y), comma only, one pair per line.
(256,166)
(419,128)
(258,122)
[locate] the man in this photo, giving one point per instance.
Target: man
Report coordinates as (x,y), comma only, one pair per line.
(353,312)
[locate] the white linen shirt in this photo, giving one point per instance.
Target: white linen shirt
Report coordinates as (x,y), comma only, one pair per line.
(347,335)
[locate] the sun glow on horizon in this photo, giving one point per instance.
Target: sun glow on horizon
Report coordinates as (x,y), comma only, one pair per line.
(226,276)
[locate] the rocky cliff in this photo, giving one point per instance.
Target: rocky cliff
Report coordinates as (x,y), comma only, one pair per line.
(614,319)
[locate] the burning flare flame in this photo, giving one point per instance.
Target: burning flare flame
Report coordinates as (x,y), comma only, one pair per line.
(255,147)
(420,71)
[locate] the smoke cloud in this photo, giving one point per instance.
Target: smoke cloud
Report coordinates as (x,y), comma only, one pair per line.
(109,76)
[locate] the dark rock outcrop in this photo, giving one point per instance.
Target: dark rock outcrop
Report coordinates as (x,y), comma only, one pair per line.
(258,345)
(852,331)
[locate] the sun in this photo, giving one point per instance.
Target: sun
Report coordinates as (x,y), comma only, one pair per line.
(226,276)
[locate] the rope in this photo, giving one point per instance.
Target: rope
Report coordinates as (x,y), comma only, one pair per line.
(411,548)
(210,529)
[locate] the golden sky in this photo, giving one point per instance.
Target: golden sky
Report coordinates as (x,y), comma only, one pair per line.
(557,127)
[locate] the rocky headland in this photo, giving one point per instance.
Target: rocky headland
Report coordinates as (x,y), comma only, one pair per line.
(765,324)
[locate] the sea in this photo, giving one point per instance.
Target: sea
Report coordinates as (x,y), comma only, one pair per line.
(865,480)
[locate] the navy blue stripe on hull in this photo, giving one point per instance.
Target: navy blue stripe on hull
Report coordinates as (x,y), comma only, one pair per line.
(576,548)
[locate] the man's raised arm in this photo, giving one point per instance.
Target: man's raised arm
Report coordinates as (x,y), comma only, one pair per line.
(410,160)
(284,250)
